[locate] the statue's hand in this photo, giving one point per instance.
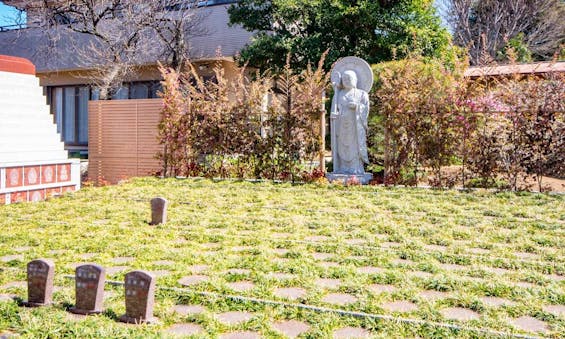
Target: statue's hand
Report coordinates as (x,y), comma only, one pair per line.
(334,116)
(352,105)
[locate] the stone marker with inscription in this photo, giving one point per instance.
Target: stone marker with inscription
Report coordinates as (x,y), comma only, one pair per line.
(40,274)
(89,289)
(158,211)
(140,298)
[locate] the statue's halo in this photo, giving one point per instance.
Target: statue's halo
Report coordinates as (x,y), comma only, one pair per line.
(359,66)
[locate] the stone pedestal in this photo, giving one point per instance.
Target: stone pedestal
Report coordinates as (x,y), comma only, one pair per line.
(363,179)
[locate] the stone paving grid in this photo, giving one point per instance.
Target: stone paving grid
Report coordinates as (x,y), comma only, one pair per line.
(391,263)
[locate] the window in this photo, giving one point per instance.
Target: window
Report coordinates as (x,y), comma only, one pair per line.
(69,106)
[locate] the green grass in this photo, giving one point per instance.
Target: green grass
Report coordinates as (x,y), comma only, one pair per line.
(239,225)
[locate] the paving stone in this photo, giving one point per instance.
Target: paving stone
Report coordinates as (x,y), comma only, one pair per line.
(282,276)
(390,244)
(241,248)
(8,258)
(101,222)
(291,328)
(6,298)
(185,329)
(328,264)
(497,270)
(14,284)
(370,270)
(281,261)
(282,235)
(280,251)
(22,249)
(555,277)
(160,273)
(211,245)
(452,267)
(116,269)
(525,284)
(322,256)
(400,306)
(164,263)
(558,310)
(496,301)
(421,274)
(86,256)
(459,313)
(328,283)
(476,250)
(241,335)
(238,271)
(355,241)
(185,310)
(340,299)
(56,252)
(197,268)
(7,335)
(351,332)
(122,260)
(438,248)
(357,257)
(530,324)
(378,288)
(526,255)
(291,293)
(192,280)
(318,238)
(432,295)
(402,262)
(234,317)
(75,317)
(241,286)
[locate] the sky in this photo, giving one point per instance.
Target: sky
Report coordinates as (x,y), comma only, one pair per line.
(8,14)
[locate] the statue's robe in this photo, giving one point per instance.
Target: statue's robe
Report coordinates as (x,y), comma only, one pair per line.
(349,131)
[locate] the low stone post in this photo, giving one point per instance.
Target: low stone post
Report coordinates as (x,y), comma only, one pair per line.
(40,274)
(158,211)
(140,298)
(89,289)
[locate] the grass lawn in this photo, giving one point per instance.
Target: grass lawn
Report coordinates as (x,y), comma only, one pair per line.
(489,261)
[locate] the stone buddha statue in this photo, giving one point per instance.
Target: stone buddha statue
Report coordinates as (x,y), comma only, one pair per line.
(348,119)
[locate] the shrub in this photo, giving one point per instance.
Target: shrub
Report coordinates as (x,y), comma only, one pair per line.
(242,127)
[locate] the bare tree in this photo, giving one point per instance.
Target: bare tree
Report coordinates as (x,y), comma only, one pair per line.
(111,38)
(486,26)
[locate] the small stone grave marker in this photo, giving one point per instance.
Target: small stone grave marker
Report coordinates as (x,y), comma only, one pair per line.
(89,289)
(158,211)
(140,298)
(40,274)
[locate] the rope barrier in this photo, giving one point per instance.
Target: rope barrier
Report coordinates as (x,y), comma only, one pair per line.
(341,312)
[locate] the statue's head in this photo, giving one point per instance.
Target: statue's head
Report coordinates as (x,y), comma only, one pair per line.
(349,79)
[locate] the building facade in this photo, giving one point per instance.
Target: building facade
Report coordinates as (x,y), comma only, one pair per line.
(67,80)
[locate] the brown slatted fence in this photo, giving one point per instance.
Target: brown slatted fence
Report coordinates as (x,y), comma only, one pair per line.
(122,139)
